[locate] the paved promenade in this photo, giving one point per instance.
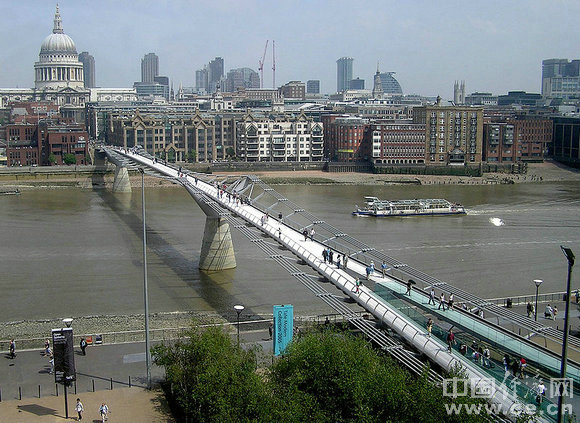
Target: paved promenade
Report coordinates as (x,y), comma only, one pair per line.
(105,366)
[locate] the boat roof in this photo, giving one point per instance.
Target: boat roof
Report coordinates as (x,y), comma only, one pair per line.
(422,201)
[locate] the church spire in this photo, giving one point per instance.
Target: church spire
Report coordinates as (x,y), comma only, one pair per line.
(57,22)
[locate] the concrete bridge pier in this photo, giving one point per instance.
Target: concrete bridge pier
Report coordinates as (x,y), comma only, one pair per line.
(217,249)
(121,182)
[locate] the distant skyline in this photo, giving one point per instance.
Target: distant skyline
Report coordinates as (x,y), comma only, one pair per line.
(495,46)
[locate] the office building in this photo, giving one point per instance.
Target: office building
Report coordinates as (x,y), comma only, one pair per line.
(149,68)
(313,86)
(566,144)
(390,84)
(356,84)
(395,142)
(201,81)
(481,99)
(293,89)
(88,62)
(561,78)
(343,137)
(241,78)
(215,74)
(343,73)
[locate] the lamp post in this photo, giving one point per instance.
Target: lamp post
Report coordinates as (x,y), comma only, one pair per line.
(146,296)
(239,308)
(570,257)
(538,282)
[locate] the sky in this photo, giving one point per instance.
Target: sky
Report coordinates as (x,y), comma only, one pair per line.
(494,45)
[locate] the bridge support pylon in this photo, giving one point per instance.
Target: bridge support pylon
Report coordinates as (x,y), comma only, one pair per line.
(217,249)
(121,182)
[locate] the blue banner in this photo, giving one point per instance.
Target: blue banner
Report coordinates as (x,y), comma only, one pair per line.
(283,327)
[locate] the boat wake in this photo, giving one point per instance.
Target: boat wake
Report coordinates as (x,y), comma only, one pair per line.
(496,221)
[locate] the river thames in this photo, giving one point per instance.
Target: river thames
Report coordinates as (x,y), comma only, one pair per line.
(73,252)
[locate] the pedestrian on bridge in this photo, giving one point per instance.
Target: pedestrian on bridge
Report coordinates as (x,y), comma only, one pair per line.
(450,340)
(410,283)
(330,256)
(431,296)
(344,260)
(312,232)
(305,233)
(325,254)
(442,301)
(530,309)
(384,268)
(368,270)
(338,259)
(451,299)
(429,327)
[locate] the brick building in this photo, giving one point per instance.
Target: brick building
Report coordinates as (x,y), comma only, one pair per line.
(343,138)
(396,142)
(453,134)
(519,138)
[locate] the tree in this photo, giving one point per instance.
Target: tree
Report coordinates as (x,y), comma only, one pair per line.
(230,152)
(52,159)
(191,156)
(212,379)
(69,159)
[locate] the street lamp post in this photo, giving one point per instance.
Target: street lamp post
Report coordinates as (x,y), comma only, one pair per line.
(538,282)
(239,308)
(570,257)
(145,294)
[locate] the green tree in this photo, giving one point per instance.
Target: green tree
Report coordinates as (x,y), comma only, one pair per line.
(230,152)
(69,159)
(212,379)
(191,156)
(51,159)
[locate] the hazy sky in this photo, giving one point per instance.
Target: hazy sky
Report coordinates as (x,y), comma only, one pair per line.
(494,45)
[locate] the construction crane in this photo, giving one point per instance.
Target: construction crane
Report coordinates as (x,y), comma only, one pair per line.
(273,65)
(261,65)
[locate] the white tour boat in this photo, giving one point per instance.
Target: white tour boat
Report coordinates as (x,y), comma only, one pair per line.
(422,207)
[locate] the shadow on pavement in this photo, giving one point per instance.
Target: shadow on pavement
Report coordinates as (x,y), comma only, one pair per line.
(39,410)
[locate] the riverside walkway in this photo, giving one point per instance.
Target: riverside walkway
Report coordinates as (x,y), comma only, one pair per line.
(275,224)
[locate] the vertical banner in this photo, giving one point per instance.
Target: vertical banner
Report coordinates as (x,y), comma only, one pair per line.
(283,327)
(64,356)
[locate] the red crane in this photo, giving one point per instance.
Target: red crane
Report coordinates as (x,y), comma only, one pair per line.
(273,65)
(261,65)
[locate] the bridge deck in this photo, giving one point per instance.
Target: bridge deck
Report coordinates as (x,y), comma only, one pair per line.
(289,234)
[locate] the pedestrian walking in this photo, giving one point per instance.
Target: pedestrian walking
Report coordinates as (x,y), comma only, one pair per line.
(523,365)
(51,362)
(79,409)
(548,312)
(104,412)
(431,296)
(372,266)
(312,232)
(83,346)
(280,216)
(506,363)
(344,260)
(46,347)
(429,327)
(442,301)
(368,271)
(324,255)
(450,340)
(305,233)
(486,357)
(338,260)
(330,256)
(357,285)
(555,312)
(409,286)
(450,302)
(540,392)
(384,268)
(12,349)
(270,330)
(529,309)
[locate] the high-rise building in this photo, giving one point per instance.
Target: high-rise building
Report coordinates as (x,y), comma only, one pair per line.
(293,89)
(149,67)
(313,86)
(215,73)
(356,84)
(561,78)
(343,73)
(201,83)
(88,62)
(241,78)
(378,86)
(390,84)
